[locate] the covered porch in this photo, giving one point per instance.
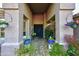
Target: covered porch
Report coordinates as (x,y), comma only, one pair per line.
(35,17)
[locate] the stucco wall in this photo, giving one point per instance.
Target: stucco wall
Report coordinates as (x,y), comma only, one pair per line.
(17,22)
(45,20)
(25,10)
(38,18)
(61,29)
(67,6)
(10,5)
(28,14)
(51,11)
(14,32)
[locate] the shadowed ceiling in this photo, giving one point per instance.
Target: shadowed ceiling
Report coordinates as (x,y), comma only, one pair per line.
(38,7)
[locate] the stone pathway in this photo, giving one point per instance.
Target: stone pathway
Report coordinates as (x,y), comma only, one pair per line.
(41,47)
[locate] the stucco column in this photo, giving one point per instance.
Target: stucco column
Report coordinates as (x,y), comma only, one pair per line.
(62,11)
(27,28)
(12,31)
(44,22)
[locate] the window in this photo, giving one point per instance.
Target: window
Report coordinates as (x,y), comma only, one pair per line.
(2,33)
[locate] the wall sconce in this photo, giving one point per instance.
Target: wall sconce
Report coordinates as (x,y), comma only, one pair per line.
(3,22)
(71,23)
(76,18)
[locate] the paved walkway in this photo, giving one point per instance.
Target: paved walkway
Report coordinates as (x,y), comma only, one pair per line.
(41,47)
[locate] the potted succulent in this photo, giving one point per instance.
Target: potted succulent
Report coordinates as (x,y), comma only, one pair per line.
(3,23)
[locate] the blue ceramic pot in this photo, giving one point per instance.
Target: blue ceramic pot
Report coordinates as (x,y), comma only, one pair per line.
(27,41)
(51,41)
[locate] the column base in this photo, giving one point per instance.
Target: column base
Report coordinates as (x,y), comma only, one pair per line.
(9,49)
(65,44)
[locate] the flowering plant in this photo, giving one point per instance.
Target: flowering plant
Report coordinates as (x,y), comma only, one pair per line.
(3,23)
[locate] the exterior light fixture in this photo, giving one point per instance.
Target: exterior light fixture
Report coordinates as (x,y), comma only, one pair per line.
(71,23)
(3,21)
(76,18)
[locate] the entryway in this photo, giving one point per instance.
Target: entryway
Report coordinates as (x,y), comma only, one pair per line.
(41,27)
(38,29)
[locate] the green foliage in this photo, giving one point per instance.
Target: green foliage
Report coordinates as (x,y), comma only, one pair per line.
(25,50)
(33,34)
(26,37)
(51,38)
(57,50)
(48,33)
(2,21)
(72,51)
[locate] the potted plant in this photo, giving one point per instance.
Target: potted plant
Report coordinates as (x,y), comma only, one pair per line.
(51,40)
(72,25)
(33,35)
(27,40)
(3,23)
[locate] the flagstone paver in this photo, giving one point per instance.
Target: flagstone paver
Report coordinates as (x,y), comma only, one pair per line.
(41,47)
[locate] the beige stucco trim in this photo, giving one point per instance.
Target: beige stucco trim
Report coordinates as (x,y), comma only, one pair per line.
(10,8)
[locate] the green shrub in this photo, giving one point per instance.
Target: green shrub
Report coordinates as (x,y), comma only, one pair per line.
(25,50)
(3,21)
(57,50)
(71,50)
(51,38)
(48,33)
